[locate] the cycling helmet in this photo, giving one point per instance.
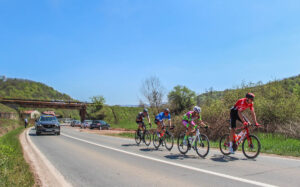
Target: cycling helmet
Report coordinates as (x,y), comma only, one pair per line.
(145,110)
(167,110)
(197,109)
(250,96)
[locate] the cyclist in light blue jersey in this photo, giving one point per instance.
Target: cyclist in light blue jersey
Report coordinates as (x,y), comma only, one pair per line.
(165,115)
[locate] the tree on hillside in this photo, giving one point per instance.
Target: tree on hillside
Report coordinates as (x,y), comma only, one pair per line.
(181,98)
(153,91)
(93,111)
(98,102)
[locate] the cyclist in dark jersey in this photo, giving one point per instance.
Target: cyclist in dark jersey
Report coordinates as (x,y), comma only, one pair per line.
(140,120)
(236,114)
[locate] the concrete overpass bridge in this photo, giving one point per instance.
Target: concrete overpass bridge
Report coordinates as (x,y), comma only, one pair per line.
(56,104)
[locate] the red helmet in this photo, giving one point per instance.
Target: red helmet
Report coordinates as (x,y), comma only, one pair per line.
(250,96)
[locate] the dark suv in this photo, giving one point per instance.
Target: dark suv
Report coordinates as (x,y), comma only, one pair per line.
(47,124)
(99,124)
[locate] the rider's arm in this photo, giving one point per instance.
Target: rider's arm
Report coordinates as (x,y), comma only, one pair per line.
(170,123)
(149,121)
(241,116)
(202,123)
(253,116)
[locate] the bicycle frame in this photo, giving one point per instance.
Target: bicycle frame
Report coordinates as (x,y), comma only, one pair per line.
(240,139)
(194,139)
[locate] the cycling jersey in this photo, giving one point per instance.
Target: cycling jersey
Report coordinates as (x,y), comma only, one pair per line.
(140,117)
(189,119)
(161,116)
(242,105)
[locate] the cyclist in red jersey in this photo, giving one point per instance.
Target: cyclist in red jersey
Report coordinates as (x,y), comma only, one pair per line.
(236,114)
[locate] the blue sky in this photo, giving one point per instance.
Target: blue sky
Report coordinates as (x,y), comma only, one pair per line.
(88,48)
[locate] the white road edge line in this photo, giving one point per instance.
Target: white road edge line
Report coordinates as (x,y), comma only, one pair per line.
(237,153)
(57,175)
(175,164)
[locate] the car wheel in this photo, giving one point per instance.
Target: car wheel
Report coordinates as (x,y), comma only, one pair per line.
(58,133)
(38,133)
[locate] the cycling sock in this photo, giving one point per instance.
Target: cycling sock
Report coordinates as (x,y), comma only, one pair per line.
(158,134)
(230,144)
(194,137)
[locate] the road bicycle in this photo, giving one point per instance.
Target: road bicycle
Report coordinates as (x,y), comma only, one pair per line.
(144,136)
(250,143)
(200,143)
(166,138)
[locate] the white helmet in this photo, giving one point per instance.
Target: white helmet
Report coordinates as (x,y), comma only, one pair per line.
(197,109)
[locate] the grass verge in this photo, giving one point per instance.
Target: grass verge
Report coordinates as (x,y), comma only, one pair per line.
(279,144)
(14,171)
(271,144)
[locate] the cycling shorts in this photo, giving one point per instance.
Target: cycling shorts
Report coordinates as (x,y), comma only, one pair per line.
(187,124)
(140,122)
(235,116)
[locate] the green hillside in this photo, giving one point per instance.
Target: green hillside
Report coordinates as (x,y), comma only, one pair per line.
(277,106)
(4,108)
(26,89)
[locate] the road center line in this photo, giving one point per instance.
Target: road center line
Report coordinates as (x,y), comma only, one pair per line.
(174,164)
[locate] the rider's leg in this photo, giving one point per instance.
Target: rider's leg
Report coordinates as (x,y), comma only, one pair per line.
(186,125)
(233,117)
(139,128)
(190,133)
(158,129)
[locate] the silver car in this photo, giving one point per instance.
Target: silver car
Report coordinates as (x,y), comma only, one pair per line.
(86,124)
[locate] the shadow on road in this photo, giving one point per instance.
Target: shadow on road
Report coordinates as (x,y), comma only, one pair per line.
(33,134)
(43,134)
(130,145)
(223,158)
(180,156)
(150,149)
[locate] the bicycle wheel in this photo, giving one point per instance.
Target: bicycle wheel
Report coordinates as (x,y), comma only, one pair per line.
(137,138)
(182,146)
(251,147)
(156,140)
(169,140)
(147,138)
(224,144)
(202,145)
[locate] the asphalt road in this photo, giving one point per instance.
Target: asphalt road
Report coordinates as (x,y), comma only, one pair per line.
(92,160)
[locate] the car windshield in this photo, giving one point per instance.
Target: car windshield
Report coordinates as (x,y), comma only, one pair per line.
(88,121)
(48,118)
(96,121)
